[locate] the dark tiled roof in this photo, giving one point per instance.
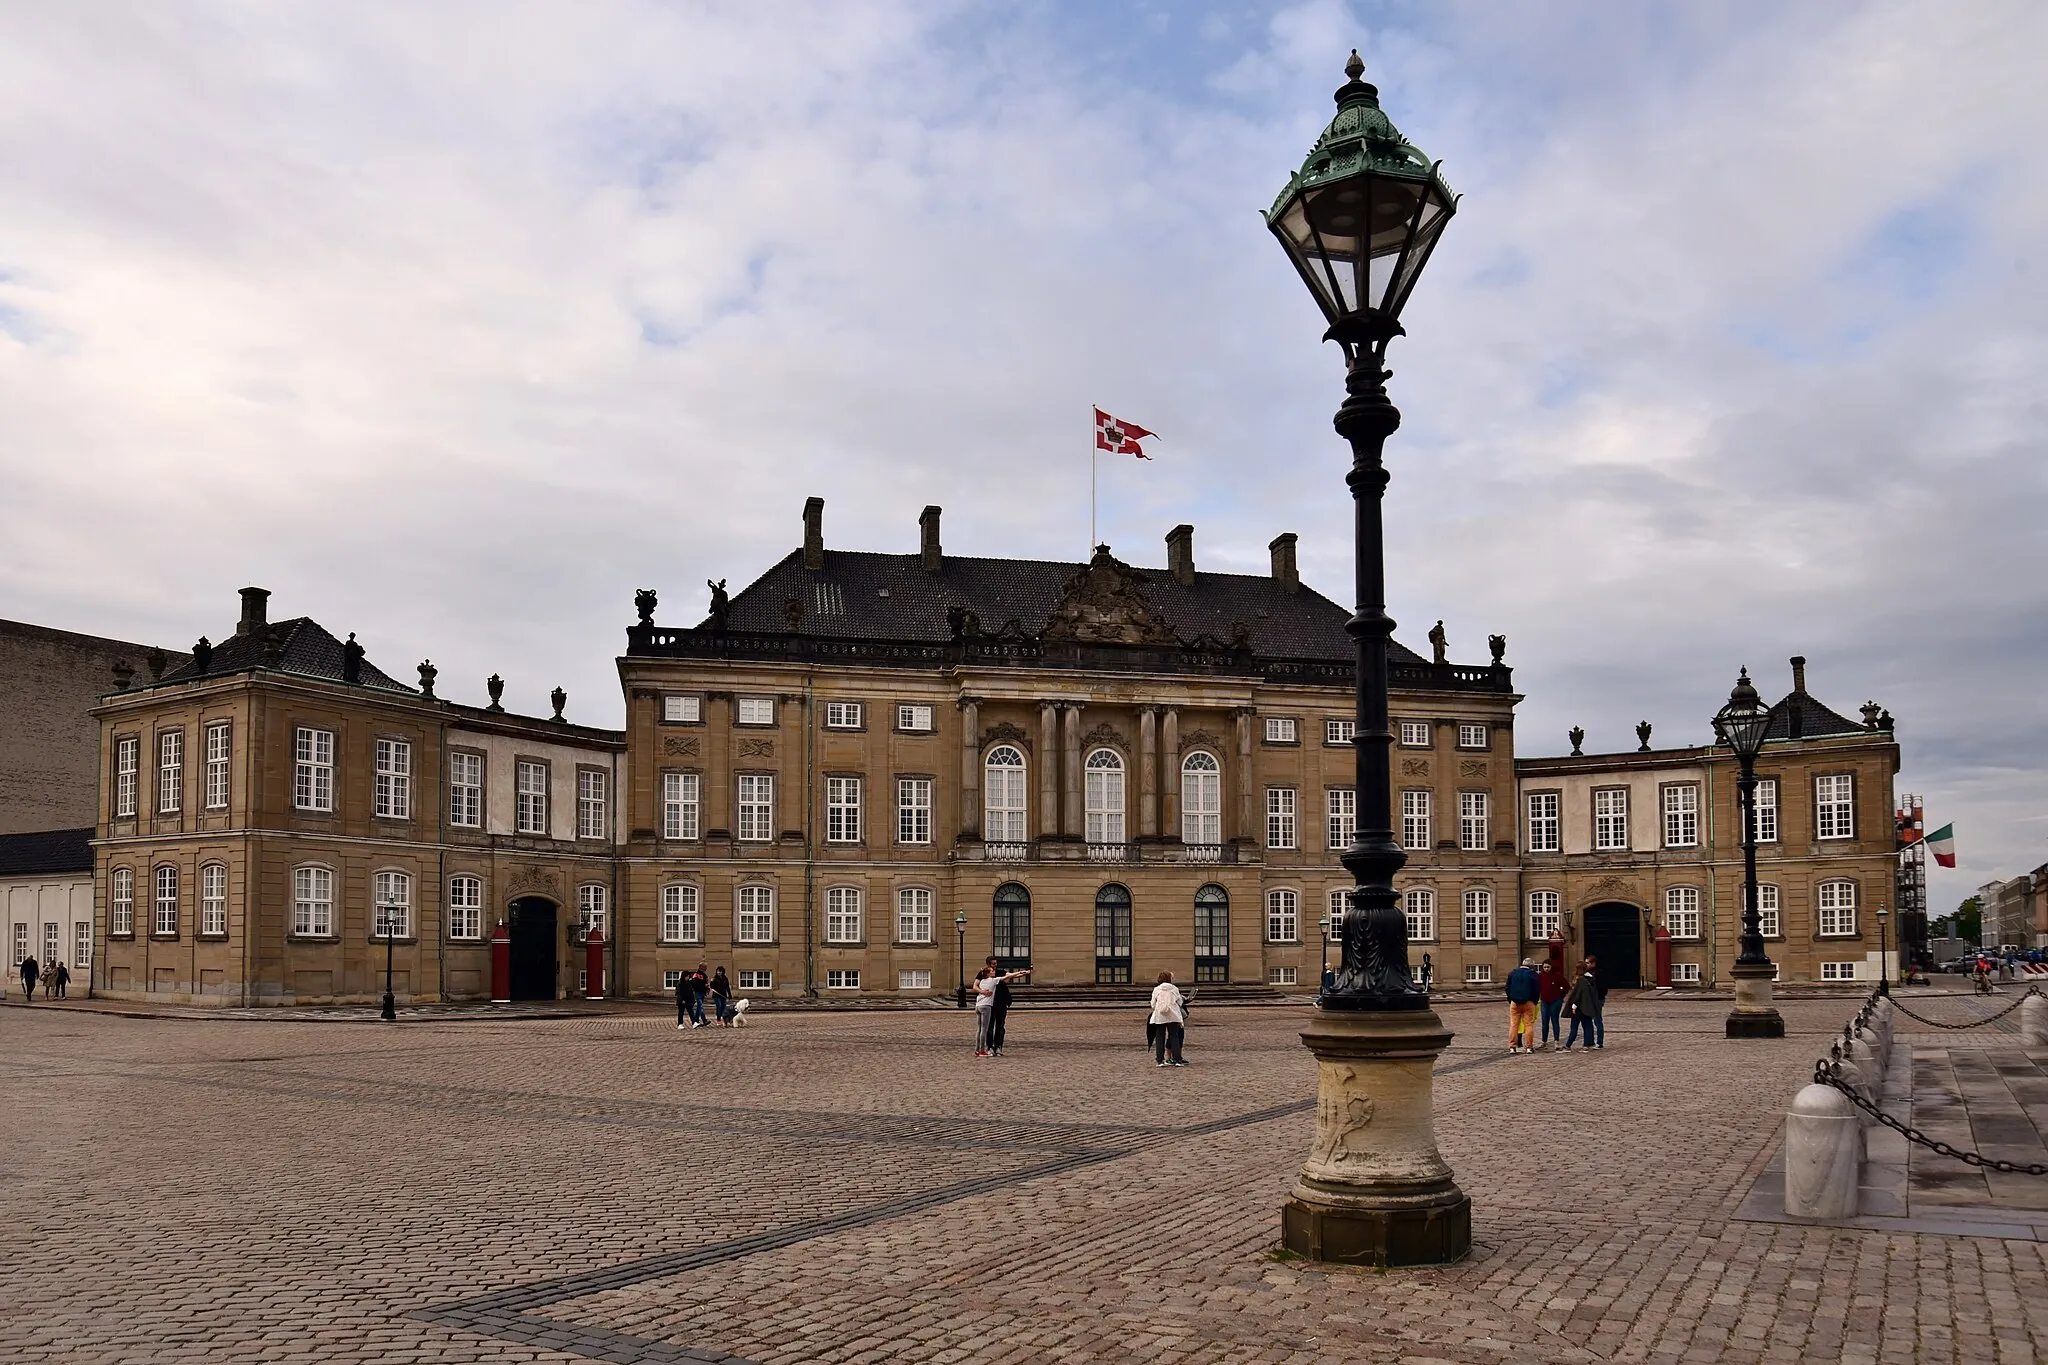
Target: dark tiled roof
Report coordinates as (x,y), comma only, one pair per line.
(862,595)
(308,650)
(46,851)
(1816,721)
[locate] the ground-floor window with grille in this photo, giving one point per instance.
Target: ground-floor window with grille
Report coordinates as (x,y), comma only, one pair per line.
(1685,973)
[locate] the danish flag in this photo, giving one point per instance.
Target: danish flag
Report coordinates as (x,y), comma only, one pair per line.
(1119,438)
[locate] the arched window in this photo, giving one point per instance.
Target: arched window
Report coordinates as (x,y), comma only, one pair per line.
(313,902)
(1011,940)
(213,900)
(1003,797)
(1112,935)
(166,901)
(393,891)
(1836,904)
(1104,780)
(1201,799)
(1283,916)
(465,907)
(844,920)
(1420,908)
(1478,916)
(755,921)
(592,903)
(1212,934)
(121,893)
(680,920)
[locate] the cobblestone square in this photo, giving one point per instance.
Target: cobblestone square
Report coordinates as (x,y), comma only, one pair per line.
(856,1186)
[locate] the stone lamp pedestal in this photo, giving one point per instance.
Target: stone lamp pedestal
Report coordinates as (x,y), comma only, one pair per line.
(1754,1016)
(1374,1190)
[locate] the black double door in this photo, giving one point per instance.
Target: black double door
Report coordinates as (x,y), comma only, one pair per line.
(1614,939)
(535,939)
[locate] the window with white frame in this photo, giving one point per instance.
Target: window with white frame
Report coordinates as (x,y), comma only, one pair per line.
(213,900)
(593,803)
(531,789)
(166,901)
(1340,905)
(682,710)
(1766,799)
(1838,971)
(219,746)
(757,807)
(1475,821)
(21,948)
(1546,828)
(842,979)
(1342,809)
(1003,807)
(844,922)
(1280,817)
(681,919)
(755,921)
(466,908)
(1415,818)
(1682,911)
(1472,736)
(842,715)
(1283,916)
(671,978)
(1339,732)
(121,902)
(1610,818)
(1201,799)
(842,810)
(1415,734)
(1546,915)
(1478,915)
(170,772)
(1835,904)
(593,906)
(1283,976)
(127,758)
(81,945)
(393,903)
(1280,730)
(313,770)
(914,915)
(466,790)
(394,779)
(913,810)
(681,805)
(1479,973)
(915,719)
(51,940)
(1682,816)
(918,980)
(1685,973)
(1418,907)
(1834,807)
(756,979)
(1103,796)
(1769,911)
(756,710)
(313,902)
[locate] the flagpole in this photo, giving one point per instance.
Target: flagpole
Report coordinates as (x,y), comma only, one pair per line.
(1094,454)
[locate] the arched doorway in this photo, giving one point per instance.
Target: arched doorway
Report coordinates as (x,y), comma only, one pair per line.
(1212,935)
(1011,937)
(1614,938)
(1112,935)
(532,930)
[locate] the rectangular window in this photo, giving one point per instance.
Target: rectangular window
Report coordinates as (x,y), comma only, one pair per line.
(219,741)
(1474,821)
(213,900)
(1768,911)
(1283,917)
(592,904)
(757,807)
(81,945)
(1280,730)
(394,779)
(1415,818)
(313,774)
(842,715)
(167,901)
(1478,916)
(1343,817)
(466,790)
(681,805)
(1838,971)
(671,978)
(1836,904)
(842,810)
(756,710)
(913,810)
(465,908)
(1419,907)
(1472,736)
(313,902)
(1340,902)
(1767,810)
(1545,915)
(1682,816)
(1415,734)
(1339,732)
(393,899)
(127,758)
(755,922)
(1479,973)
(170,772)
(1610,818)
(532,791)
(593,803)
(121,896)
(914,981)
(1682,911)
(914,915)
(1546,829)
(844,922)
(681,921)
(1280,811)
(1685,973)
(682,710)
(756,979)
(915,719)
(1834,807)
(1283,976)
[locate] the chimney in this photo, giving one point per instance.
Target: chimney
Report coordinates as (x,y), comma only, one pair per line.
(1798,672)
(928,539)
(1180,554)
(814,533)
(1284,571)
(255,610)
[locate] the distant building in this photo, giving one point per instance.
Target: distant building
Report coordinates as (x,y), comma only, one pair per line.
(2011,911)
(46,907)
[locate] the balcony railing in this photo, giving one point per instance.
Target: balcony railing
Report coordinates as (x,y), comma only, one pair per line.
(1007,853)
(1144,851)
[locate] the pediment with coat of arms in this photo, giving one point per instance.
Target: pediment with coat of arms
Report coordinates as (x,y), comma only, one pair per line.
(1105,604)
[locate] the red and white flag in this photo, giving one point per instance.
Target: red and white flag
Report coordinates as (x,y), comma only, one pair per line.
(1119,438)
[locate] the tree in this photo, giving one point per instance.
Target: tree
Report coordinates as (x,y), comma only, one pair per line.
(1967,923)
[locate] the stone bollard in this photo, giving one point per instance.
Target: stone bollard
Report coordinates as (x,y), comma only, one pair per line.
(1823,1154)
(1867,1071)
(2034,1021)
(1879,1043)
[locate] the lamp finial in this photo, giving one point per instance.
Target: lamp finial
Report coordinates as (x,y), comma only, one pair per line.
(1355,67)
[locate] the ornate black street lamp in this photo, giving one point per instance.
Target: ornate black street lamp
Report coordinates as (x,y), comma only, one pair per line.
(1884,960)
(1359,221)
(960,972)
(1742,725)
(389,923)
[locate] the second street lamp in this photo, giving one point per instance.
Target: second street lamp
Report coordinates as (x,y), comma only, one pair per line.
(960,928)
(1742,725)
(387,918)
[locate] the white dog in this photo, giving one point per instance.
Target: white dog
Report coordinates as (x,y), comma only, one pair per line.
(739,1011)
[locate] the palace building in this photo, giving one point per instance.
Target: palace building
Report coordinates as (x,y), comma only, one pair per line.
(863,769)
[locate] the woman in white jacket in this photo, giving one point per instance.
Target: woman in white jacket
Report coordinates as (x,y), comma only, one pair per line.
(1169,1014)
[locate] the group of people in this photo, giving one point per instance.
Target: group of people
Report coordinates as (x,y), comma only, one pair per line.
(54,975)
(1165,1023)
(693,989)
(1532,991)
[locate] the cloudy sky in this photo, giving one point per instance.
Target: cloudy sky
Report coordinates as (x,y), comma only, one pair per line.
(454,324)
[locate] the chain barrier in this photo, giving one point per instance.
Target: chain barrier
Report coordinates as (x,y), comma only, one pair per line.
(1829,1072)
(1974,1023)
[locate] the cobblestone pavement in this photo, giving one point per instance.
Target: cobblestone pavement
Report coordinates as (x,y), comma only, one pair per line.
(858,1187)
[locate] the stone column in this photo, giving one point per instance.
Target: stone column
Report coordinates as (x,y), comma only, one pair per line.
(970,769)
(1070,748)
(1247,812)
(1048,769)
(1148,772)
(1169,775)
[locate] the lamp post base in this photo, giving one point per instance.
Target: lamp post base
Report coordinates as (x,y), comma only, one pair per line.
(1374,1190)
(1754,1016)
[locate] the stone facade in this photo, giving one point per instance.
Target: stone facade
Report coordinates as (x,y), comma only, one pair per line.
(46,908)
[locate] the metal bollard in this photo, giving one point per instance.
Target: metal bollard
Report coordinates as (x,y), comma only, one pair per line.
(1823,1154)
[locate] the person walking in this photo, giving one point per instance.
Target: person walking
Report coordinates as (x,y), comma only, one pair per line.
(1000,1010)
(721,998)
(1169,1013)
(1551,990)
(29,972)
(698,984)
(1523,989)
(62,977)
(1584,1006)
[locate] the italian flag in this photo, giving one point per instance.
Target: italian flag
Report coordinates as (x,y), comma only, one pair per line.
(1942,844)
